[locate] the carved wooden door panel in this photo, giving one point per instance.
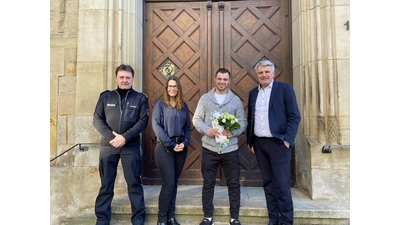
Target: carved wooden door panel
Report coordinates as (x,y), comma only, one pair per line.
(192,40)
(175,44)
(253,30)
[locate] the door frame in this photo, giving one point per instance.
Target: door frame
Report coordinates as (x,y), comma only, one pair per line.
(290,77)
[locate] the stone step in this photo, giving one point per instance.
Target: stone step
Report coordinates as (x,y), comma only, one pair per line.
(252,212)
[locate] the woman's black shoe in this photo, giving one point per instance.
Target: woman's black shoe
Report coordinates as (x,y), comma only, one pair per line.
(172,221)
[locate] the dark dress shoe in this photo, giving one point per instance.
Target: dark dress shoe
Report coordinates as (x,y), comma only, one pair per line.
(173,221)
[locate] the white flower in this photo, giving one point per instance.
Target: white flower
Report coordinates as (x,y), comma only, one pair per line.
(224,121)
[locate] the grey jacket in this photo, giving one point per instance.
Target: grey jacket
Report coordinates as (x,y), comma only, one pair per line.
(201,119)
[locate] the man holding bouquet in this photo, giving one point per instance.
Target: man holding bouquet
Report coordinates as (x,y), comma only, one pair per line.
(221,118)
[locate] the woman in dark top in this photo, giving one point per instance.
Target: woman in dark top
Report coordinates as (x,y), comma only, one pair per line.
(172,126)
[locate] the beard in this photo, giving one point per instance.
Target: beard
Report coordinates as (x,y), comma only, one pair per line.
(125,86)
(221,88)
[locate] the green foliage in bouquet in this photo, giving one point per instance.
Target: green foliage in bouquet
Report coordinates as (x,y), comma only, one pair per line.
(228,121)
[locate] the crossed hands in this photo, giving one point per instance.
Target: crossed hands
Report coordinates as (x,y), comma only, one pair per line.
(118,141)
(179,147)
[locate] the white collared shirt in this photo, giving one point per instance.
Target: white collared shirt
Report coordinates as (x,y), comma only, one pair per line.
(261,122)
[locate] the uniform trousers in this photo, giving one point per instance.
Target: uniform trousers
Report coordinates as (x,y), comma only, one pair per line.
(273,159)
(132,167)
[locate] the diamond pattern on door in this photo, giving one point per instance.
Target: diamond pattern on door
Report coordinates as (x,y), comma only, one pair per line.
(200,37)
(173,34)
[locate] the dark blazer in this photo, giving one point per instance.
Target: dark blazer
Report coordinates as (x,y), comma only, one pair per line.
(283,115)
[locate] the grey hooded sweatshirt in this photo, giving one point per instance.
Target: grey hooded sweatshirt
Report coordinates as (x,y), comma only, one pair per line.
(206,106)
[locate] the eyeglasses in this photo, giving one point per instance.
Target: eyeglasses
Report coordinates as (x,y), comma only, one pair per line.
(172,86)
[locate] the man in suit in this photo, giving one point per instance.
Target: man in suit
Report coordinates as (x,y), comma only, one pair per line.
(273,120)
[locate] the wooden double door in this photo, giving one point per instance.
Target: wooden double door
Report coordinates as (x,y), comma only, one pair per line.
(191,40)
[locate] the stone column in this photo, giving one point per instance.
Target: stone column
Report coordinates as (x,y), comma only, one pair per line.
(321,60)
(110,33)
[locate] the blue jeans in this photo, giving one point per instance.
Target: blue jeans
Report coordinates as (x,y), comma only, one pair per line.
(230,165)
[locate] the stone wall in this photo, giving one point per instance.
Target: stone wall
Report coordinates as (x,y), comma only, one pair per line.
(88,40)
(108,33)
(321,74)
(63,61)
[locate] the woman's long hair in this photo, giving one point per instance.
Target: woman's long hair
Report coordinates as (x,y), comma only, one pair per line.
(178,98)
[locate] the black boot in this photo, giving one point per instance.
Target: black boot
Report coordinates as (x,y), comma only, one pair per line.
(172,221)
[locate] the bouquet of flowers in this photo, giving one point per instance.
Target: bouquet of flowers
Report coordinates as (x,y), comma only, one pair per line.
(224,121)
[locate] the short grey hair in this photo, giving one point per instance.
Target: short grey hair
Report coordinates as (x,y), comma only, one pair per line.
(265,63)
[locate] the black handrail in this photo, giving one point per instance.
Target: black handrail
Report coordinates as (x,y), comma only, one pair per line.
(328,148)
(81,148)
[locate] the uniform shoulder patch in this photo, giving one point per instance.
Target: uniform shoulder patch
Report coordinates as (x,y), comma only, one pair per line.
(105,92)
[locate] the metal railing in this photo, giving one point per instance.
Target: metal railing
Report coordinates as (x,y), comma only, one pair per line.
(81,148)
(328,148)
